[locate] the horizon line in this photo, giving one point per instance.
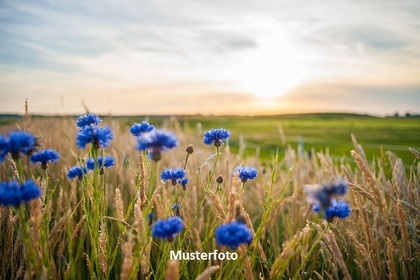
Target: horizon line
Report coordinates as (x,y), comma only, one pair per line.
(413,115)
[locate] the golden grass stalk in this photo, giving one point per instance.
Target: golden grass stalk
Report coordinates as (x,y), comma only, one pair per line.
(327,164)
(127,251)
(145,259)
(231,207)
(119,204)
(205,275)
(409,206)
(55,232)
(142,181)
(365,222)
(290,248)
(390,260)
(338,257)
(35,221)
(103,240)
(90,266)
(247,263)
(327,256)
(173,270)
(155,195)
(326,275)
(368,176)
(218,205)
(415,152)
(362,269)
(78,226)
(160,207)
(59,204)
(138,217)
(19,272)
(358,148)
(27,117)
(362,192)
(373,272)
(404,232)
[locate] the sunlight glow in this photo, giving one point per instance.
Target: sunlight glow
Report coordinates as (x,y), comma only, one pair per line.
(273,68)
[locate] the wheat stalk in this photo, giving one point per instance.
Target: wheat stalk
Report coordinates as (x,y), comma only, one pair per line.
(145,259)
(103,240)
(372,269)
(403,229)
(415,152)
(173,270)
(218,205)
(205,275)
(127,251)
(390,260)
(338,257)
(119,204)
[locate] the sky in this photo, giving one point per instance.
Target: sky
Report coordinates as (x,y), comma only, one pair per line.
(208,57)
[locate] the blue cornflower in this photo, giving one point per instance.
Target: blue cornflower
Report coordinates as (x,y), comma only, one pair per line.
(339,187)
(233,234)
(183,182)
(340,209)
(106,162)
(246,173)
(21,142)
(87,120)
(323,193)
(3,148)
(44,157)
(99,137)
(156,141)
(29,191)
(172,174)
(137,128)
(168,229)
(77,171)
(216,137)
(10,194)
(13,194)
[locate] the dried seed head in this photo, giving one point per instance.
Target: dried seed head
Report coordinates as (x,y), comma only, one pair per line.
(238,209)
(44,165)
(190,149)
(155,155)
(62,261)
(219,179)
(241,219)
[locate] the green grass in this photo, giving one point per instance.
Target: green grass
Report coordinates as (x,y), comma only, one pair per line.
(320,132)
(317,131)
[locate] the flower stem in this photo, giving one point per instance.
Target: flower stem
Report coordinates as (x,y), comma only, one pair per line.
(206,191)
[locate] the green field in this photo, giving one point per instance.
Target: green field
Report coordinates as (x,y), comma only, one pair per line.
(100,224)
(311,131)
(317,131)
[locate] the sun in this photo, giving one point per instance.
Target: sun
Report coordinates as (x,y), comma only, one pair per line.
(273,68)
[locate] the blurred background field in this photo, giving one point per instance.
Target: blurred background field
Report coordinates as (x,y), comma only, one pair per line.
(318,131)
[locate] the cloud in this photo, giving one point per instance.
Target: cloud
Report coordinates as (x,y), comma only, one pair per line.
(205,47)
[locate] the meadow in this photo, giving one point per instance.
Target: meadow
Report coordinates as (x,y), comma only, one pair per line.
(99,225)
(321,131)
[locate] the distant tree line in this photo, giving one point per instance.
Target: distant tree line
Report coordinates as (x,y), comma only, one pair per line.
(407,115)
